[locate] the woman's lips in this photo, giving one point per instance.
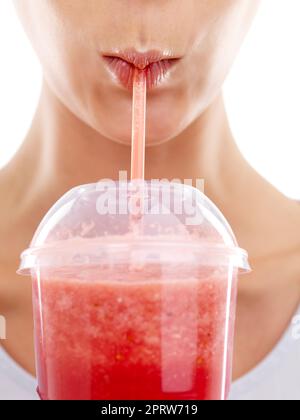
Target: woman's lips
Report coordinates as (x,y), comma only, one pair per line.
(156,66)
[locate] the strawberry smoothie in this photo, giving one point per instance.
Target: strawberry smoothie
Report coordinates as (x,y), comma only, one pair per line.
(129,333)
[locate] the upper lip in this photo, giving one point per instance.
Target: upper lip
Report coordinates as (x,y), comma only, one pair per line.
(142,60)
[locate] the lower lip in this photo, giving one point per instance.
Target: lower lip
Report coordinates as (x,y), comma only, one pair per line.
(156,73)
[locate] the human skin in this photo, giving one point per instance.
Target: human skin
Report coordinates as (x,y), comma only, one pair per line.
(69,36)
(81,133)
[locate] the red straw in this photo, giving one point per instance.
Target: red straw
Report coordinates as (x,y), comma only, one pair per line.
(138,126)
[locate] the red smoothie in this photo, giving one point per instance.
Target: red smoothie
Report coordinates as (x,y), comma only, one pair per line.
(128,335)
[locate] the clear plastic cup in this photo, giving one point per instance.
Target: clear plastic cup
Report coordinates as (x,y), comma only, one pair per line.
(134,294)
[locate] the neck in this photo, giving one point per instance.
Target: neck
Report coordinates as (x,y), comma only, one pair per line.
(61,152)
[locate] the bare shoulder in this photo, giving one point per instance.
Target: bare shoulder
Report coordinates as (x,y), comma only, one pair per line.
(268,301)
(270,295)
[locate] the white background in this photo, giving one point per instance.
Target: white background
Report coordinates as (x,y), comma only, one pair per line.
(262,92)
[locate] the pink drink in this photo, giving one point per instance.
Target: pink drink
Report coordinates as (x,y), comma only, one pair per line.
(134,305)
(127,334)
(134,315)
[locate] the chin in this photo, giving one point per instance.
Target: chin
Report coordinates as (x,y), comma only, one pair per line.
(162,132)
(156,134)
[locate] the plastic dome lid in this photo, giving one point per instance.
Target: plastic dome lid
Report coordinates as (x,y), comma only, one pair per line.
(92,220)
